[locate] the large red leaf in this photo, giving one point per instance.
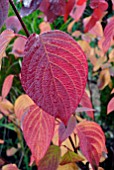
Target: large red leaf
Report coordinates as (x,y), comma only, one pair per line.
(4,5)
(108,34)
(54,73)
(51,159)
(86,102)
(38,128)
(92,141)
(110,107)
(7,85)
(65,132)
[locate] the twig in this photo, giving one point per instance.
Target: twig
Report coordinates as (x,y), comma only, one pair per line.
(19,17)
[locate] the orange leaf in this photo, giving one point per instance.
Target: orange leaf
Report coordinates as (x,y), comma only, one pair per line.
(21,104)
(44,26)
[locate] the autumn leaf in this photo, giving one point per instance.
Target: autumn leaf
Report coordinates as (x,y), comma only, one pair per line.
(110,106)
(92,141)
(70,157)
(19,46)
(5,37)
(65,132)
(38,129)
(51,159)
(86,102)
(21,104)
(54,73)
(7,85)
(13,23)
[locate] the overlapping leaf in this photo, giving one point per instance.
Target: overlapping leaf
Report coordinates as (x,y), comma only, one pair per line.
(21,104)
(54,73)
(38,128)
(7,85)
(51,159)
(110,107)
(70,157)
(5,38)
(13,23)
(4,5)
(108,34)
(65,132)
(71,166)
(86,102)
(92,141)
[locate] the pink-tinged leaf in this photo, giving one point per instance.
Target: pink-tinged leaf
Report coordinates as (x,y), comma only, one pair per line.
(81,2)
(108,34)
(69,6)
(70,157)
(13,23)
(92,141)
(44,27)
(86,102)
(54,73)
(5,38)
(110,107)
(7,85)
(38,128)
(51,159)
(22,103)
(4,5)
(19,46)
(6,106)
(112,4)
(77,11)
(10,167)
(65,132)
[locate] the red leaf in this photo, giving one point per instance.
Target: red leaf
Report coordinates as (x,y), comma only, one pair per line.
(110,107)
(13,23)
(51,159)
(38,128)
(54,73)
(69,6)
(4,5)
(7,85)
(65,132)
(92,141)
(97,14)
(86,102)
(81,2)
(108,34)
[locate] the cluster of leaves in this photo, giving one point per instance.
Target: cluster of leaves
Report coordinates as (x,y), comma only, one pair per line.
(54,75)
